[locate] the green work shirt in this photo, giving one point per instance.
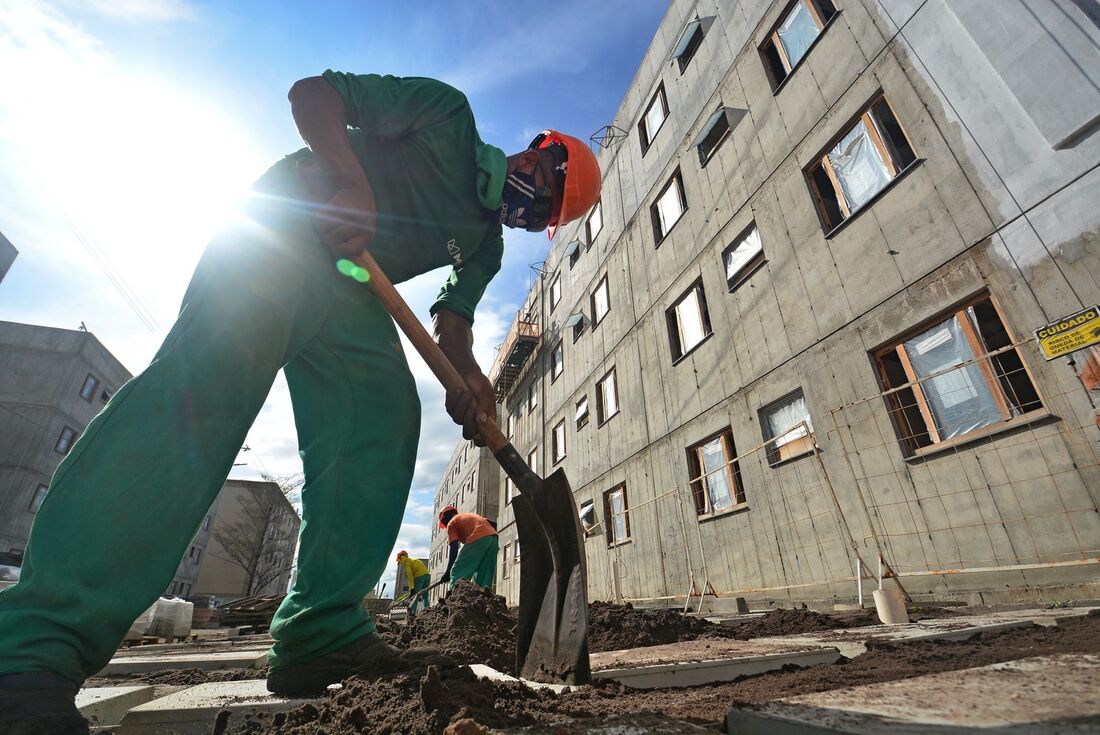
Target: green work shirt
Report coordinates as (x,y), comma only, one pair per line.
(437,186)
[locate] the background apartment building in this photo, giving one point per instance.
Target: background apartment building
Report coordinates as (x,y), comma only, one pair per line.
(470,483)
(52,383)
(798,332)
(251,542)
(187,573)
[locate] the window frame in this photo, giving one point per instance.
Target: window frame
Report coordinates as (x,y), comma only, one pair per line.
(532,397)
(533,460)
(554,454)
(37,497)
(981,355)
(601,419)
(773,452)
(675,329)
(591,236)
(886,152)
(718,115)
(609,516)
(510,425)
(557,368)
(73,434)
(751,266)
(509,489)
(692,46)
(504,561)
(697,476)
(84,388)
(555,292)
(676,179)
(645,136)
(596,317)
(587,413)
(772,39)
(587,528)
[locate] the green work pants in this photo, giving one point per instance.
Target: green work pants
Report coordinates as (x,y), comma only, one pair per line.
(477,561)
(125,503)
(420,583)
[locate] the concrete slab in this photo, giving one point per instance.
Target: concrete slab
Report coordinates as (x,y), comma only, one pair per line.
(488,672)
(195,710)
(205,661)
(107,705)
(640,724)
(1047,694)
(701,662)
(732,618)
(853,641)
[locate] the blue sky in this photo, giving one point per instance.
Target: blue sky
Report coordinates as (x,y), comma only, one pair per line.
(128,128)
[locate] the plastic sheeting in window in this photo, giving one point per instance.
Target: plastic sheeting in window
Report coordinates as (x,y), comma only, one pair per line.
(960,400)
(717,479)
(859,167)
(738,257)
(783,417)
(797,32)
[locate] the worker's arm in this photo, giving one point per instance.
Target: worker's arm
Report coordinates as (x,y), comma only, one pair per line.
(456,338)
(408,572)
(346,223)
(452,555)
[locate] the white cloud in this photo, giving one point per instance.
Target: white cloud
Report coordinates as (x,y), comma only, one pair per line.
(136,11)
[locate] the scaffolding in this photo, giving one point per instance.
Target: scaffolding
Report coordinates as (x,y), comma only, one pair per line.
(519,344)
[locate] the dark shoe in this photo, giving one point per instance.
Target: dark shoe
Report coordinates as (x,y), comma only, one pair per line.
(368,656)
(39,703)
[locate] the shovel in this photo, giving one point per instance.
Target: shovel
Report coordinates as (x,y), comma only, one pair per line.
(552,630)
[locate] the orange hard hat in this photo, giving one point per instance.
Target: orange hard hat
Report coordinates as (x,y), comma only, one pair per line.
(401,554)
(444,512)
(582,178)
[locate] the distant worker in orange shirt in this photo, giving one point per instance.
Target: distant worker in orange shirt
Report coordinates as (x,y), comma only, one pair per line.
(477,559)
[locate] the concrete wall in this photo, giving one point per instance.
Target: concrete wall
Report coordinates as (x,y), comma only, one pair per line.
(7,255)
(1001,201)
(471,483)
(218,575)
(187,573)
(42,373)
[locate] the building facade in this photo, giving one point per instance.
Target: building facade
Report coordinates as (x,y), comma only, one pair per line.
(798,333)
(470,484)
(52,383)
(187,573)
(250,543)
(7,255)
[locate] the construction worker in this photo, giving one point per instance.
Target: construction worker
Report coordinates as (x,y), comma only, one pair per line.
(413,182)
(477,536)
(418,576)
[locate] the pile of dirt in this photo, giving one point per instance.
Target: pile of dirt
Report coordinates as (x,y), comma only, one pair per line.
(614,627)
(472,625)
(784,622)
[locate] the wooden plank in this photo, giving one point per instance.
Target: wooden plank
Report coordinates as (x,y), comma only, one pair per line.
(782,51)
(978,349)
(918,391)
(876,138)
(828,166)
(815,13)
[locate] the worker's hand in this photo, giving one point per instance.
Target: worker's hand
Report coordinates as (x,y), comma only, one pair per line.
(471,405)
(346,217)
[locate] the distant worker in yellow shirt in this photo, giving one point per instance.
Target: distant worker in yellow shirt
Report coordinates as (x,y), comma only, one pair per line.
(419,577)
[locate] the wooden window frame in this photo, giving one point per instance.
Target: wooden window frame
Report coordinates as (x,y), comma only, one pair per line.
(906,435)
(802,446)
(609,516)
(821,161)
(554,455)
(697,476)
(596,319)
(559,349)
(676,330)
(676,179)
(645,137)
(587,413)
(601,419)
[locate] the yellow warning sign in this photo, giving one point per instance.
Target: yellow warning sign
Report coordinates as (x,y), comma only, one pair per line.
(1071,333)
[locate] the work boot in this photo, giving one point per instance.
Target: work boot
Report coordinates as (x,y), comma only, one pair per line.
(39,703)
(368,656)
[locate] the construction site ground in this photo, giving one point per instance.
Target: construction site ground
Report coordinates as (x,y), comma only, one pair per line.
(656,671)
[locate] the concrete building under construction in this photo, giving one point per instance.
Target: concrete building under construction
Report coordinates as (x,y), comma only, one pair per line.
(836,305)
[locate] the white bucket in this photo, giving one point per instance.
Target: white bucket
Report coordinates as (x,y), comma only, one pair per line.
(890,606)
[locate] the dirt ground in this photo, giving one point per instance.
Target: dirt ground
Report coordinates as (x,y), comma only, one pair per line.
(427,701)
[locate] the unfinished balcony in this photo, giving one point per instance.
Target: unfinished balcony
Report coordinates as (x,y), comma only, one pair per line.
(519,344)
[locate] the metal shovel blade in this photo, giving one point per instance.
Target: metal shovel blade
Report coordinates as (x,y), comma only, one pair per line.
(552,631)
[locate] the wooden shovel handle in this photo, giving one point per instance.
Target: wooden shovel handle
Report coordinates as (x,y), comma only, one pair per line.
(424,344)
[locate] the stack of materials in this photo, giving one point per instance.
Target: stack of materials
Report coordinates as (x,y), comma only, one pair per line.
(171,619)
(252,611)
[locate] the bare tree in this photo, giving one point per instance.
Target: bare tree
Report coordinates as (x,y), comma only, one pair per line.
(258,543)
